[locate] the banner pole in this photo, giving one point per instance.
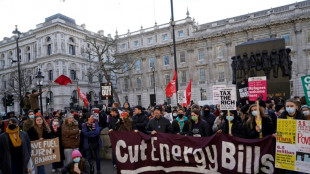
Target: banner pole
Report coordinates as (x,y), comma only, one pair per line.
(229,125)
(258,111)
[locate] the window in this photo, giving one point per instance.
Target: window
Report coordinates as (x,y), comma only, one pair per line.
(182,57)
(2,61)
(138,63)
(202,75)
(48,39)
(28,54)
(72,75)
(71,50)
(168,100)
(183,78)
(203,94)
(166,60)
(123,46)
(152,62)
(287,39)
(139,100)
(50,75)
(139,82)
(125,67)
(51,96)
(181,34)
(30,80)
(49,49)
(126,85)
(74,96)
(308,36)
(71,40)
(167,79)
(150,40)
(136,43)
(126,98)
(219,52)
(165,37)
(201,55)
(221,71)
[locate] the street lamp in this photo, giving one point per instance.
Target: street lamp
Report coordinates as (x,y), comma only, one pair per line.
(39,79)
(153,69)
(17,35)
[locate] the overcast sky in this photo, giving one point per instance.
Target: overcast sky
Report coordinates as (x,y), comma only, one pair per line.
(109,15)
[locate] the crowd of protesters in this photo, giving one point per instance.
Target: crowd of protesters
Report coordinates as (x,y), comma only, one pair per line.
(79,132)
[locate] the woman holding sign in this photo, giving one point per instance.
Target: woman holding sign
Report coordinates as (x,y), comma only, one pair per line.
(258,125)
(39,131)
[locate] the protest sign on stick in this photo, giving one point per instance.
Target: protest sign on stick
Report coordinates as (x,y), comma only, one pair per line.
(216,93)
(228,100)
(306,84)
(257,87)
(45,151)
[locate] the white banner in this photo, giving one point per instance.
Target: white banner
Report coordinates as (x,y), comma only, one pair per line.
(216,93)
(228,98)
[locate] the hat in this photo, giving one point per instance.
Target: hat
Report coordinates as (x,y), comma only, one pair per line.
(76,153)
(278,107)
(38,114)
(75,113)
(305,106)
(157,107)
(139,107)
(124,115)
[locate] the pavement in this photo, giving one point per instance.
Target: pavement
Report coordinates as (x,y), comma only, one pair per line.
(106,168)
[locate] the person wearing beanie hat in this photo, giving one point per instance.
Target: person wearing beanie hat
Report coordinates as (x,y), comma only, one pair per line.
(158,123)
(79,165)
(306,111)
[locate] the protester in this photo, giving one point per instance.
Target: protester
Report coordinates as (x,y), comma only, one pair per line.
(115,123)
(139,120)
(34,103)
(278,110)
(15,150)
(291,111)
(26,103)
(166,114)
(174,114)
(237,128)
(78,165)
(70,137)
(198,127)
(258,128)
(56,133)
(126,124)
(180,125)
(126,108)
(306,111)
(158,123)
(29,122)
(217,111)
(39,131)
(208,117)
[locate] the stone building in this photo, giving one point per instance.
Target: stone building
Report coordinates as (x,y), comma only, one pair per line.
(204,52)
(57,47)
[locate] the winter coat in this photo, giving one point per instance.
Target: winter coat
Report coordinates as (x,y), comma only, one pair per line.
(273,118)
(237,128)
(5,155)
(139,122)
(126,125)
(83,164)
(57,134)
(90,134)
(27,125)
(162,125)
(175,126)
(203,128)
(115,123)
(267,129)
(34,103)
(26,102)
(102,119)
(298,115)
(209,118)
(70,135)
(33,135)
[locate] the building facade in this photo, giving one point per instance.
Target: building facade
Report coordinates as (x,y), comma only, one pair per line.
(57,47)
(204,52)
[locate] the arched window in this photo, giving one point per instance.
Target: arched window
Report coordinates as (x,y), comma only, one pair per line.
(72,75)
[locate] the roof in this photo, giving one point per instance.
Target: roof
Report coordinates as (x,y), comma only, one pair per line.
(60,16)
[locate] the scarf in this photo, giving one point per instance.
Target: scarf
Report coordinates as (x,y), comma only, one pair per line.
(14,136)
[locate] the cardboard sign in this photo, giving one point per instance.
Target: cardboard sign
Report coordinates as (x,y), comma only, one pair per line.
(45,151)
(216,93)
(106,90)
(243,92)
(257,88)
(293,145)
(181,96)
(228,98)
(306,84)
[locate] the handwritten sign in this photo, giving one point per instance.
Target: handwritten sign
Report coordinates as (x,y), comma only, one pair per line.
(45,151)
(106,90)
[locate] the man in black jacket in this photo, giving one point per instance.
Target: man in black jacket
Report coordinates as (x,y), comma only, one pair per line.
(158,123)
(139,120)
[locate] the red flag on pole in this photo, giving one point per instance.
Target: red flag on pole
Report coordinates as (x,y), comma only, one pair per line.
(171,87)
(189,93)
(82,96)
(63,80)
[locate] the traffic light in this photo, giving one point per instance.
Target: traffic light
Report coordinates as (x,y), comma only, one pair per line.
(9,100)
(47,101)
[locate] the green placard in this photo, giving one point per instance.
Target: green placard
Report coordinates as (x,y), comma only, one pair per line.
(306,84)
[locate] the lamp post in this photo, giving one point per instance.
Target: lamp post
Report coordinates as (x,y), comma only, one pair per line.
(17,35)
(153,69)
(40,78)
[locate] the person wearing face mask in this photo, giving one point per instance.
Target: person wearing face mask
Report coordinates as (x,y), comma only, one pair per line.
(217,111)
(175,114)
(15,150)
(56,133)
(306,111)
(29,122)
(198,127)
(79,165)
(208,117)
(180,125)
(237,128)
(258,128)
(166,114)
(278,110)
(291,111)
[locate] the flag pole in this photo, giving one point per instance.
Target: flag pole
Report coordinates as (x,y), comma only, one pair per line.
(229,125)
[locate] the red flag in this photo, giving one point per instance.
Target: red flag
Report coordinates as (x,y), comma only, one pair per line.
(82,96)
(63,80)
(189,93)
(171,87)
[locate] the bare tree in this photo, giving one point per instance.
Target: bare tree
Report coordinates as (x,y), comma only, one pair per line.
(101,49)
